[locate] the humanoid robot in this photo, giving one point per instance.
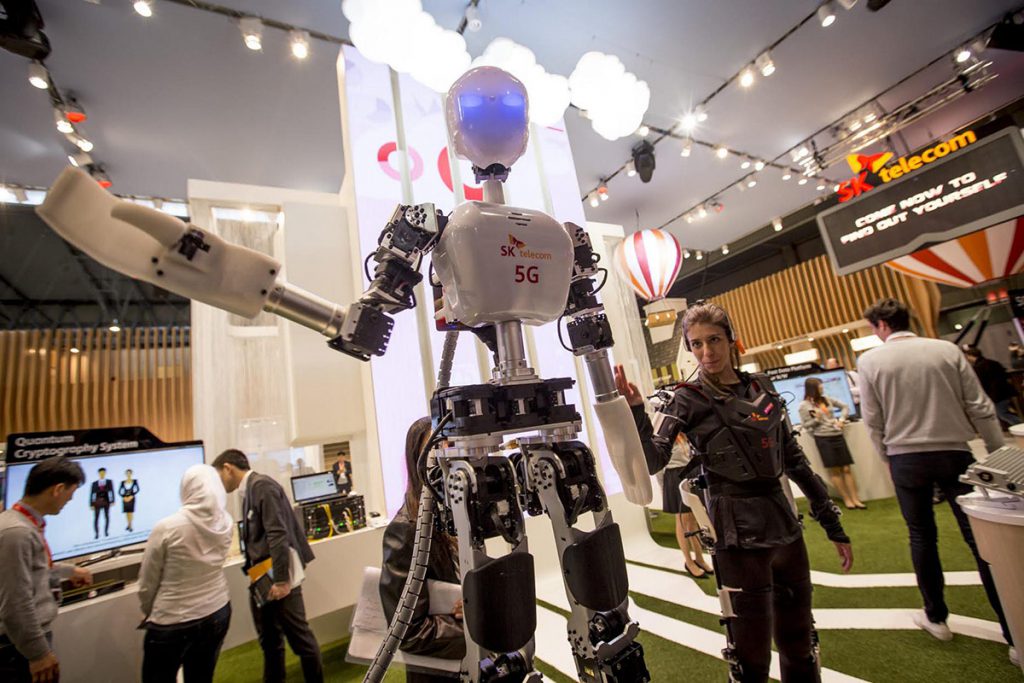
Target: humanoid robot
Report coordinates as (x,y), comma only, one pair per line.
(498,268)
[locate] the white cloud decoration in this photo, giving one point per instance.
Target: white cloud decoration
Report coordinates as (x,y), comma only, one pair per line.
(614,99)
(548,93)
(400,34)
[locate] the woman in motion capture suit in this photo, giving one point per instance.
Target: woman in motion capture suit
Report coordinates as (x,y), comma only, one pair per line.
(735,424)
(433,635)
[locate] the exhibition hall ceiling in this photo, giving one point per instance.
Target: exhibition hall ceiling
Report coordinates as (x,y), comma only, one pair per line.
(178,95)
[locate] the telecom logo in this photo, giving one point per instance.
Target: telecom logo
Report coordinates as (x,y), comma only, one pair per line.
(516,248)
(874,165)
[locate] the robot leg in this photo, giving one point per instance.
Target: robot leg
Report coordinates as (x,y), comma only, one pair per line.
(562,478)
(498,593)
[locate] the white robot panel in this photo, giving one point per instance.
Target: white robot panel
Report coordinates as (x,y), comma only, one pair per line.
(498,263)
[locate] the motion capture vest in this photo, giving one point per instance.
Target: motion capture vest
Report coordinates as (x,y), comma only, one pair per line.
(746,446)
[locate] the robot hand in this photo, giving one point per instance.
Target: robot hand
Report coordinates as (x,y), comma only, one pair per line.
(149,245)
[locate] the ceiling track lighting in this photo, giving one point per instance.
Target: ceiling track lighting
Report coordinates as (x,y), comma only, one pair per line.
(643,131)
(725,249)
(701,113)
(787,175)
(765,64)
(100,176)
(758,165)
(630,168)
(827,14)
(80,160)
(594,201)
(777,224)
(745,165)
(252,32)
(747,78)
(802,181)
(722,152)
(79,141)
(61,120)
(686,148)
(38,76)
(114,326)
(751,183)
(144,8)
(602,192)
(686,253)
(688,122)
(699,255)
(72,109)
(299,44)
(473,22)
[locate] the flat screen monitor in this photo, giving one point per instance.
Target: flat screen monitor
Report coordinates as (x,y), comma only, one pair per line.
(81,529)
(310,487)
(835,384)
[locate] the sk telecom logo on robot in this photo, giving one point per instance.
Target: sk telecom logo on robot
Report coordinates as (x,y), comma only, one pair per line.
(873,166)
(516,248)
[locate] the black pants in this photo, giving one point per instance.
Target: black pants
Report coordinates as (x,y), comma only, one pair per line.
(774,600)
(194,645)
(915,476)
(287,618)
(13,664)
(96,520)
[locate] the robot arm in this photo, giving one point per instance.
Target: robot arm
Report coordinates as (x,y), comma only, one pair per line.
(149,245)
(590,336)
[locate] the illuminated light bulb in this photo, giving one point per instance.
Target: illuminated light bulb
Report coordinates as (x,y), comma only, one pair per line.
(758,165)
(745,165)
(701,112)
(787,175)
(114,327)
(752,183)
(746,78)
(299,44)
(765,64)
(687,147)
(721,152)
(962,55)
(602,192)
(74,349)
(699,255)
(869,118)
(38,76)
(686,253)
(827,15)
(630,168)
(643,131)
(802,181)
(725,249)
(63,125)
(252,32)
(83,144)
(144,8)
(688,121)
(702,212)
(777,224)
(820,187)
(594,201)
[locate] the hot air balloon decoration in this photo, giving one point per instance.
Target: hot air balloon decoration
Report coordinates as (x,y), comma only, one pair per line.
(649,261)
(991,254)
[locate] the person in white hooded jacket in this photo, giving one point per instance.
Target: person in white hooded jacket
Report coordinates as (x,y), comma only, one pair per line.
(182,588)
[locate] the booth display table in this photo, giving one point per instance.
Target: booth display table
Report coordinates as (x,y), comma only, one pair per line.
(998,526)
(99,639)
(870,471)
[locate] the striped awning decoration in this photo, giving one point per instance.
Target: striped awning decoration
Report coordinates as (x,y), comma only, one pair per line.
(649,261)
(973,259)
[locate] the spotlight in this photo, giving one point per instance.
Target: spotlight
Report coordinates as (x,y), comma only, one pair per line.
(721,152)
(869,118)
(80,160)
(144,8)
(745,165)
(688,121)
(686,253)
(74,349)
(854,126)
(751,183)
(643,160)
(699,255)
(777,224)
(689,218)
(594,201)
(80,142)
(787,175)
(717,206)
(821,186)
(802,181)
(765,64)
(958,326)
(962,55)
(758,165)
(299,41)
(702,113)
(746,78)
(827,14)
(38,76)
(687,147)
(100,176)
(252,32)
(63,125)
(72,109)
(473,22)
(725,249)
(702,212)
(114,327)
(630,168)
(602,192)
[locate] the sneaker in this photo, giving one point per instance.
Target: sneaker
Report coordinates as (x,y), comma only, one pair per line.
(938,630)
(1014,657)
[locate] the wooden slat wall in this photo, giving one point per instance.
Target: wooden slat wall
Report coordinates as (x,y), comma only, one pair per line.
(139,376)
(809,297)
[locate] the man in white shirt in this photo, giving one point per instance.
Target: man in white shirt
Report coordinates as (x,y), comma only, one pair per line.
(922,403)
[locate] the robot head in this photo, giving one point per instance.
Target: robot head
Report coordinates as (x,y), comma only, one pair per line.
(488,117)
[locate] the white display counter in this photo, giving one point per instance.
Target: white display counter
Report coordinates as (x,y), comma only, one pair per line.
(99,640)
(871,473)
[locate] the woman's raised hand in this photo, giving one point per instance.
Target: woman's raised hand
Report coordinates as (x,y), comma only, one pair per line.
(626,388)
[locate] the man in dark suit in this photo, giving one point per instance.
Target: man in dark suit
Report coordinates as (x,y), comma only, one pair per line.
(101,497)
(271,534)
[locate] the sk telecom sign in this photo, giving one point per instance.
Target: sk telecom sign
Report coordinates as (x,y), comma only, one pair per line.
(870,169)
(943,194)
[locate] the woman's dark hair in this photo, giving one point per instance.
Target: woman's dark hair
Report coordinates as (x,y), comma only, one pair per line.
(711,314)
(58,470)
(812,390)
(415,439)
(128,472)
(893,312)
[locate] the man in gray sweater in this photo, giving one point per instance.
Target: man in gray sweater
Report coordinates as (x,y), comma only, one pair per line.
(922,403)
(29,579)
